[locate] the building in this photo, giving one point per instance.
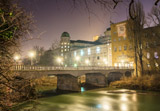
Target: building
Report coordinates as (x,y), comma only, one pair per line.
(97,53)
(115,48)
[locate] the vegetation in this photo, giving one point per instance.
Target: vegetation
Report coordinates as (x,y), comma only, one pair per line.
(146,82)
(14,24)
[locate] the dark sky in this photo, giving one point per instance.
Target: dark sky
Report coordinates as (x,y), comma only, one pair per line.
(53,18)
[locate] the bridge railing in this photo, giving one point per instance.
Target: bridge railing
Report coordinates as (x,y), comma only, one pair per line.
(49,68)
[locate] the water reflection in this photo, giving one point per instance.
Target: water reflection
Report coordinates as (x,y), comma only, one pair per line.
(124,107)
(124,97)
(100,100)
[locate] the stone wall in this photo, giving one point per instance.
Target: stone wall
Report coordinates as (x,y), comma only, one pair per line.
(67,82)
(96,79)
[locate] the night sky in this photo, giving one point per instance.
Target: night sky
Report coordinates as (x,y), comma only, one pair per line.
(53,18)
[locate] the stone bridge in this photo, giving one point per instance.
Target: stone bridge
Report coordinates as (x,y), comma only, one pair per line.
(69,77)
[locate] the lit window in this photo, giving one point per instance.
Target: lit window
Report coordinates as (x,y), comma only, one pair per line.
(156,64)
(75,53)
(61,54)
(62,43)
(115,64)
(82,52)
(98,49)
(125,47)
(89,51)
(120,48)
(148,65)
(61,50)
(110,48)
(65,43)
(156,55)
(65,50)
(65,46)
(68,46)
(148,55)
(62,47)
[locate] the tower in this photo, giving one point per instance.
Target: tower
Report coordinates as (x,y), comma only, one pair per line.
(65,43)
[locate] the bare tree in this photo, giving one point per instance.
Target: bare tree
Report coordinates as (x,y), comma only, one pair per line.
(14,23)
(136,25)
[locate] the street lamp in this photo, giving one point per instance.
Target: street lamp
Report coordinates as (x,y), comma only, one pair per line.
(31,55)
(87,61)
(59,60)
(77,60)
(16,58)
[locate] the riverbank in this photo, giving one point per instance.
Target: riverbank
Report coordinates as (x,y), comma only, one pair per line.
(147,82)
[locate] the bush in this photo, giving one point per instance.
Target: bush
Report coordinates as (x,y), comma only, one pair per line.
(147,82)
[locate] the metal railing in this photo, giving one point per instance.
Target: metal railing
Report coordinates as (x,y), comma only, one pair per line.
(52,68)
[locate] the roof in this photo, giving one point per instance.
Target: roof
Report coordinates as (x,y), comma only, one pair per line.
(65,34)
(83,41)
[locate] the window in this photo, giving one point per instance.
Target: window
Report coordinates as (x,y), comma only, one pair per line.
(98,57)
(75,53)
(89,51)
(156,64)
(61,46)
(68,46)
(115,49)
(65,49)
(65,46)
(148,65)
(119,39)
(120,48)
(156,55)
(148,55)
(125,47)
(61,50)
(115,64)
(82,52)
(98,49)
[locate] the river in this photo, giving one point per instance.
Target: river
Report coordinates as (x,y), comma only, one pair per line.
(102,100)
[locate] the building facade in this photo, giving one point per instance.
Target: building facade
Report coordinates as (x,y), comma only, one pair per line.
(115,48)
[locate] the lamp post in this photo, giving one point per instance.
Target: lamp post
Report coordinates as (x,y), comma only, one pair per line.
(16,58)
(31,55)
(59,60)
(87,62)
(77,61)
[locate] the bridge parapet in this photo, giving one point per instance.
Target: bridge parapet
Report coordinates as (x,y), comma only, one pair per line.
(52,68)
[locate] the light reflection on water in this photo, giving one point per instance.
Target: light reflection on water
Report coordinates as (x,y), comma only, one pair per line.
(100,100)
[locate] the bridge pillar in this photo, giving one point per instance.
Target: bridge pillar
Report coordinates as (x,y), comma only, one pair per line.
(67,82)
(114,76)
(95,79)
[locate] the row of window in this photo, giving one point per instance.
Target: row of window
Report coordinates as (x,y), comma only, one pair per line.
(155,55)
(64,50)
(98,50)
(120,48)
(65,43)
(65,46)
